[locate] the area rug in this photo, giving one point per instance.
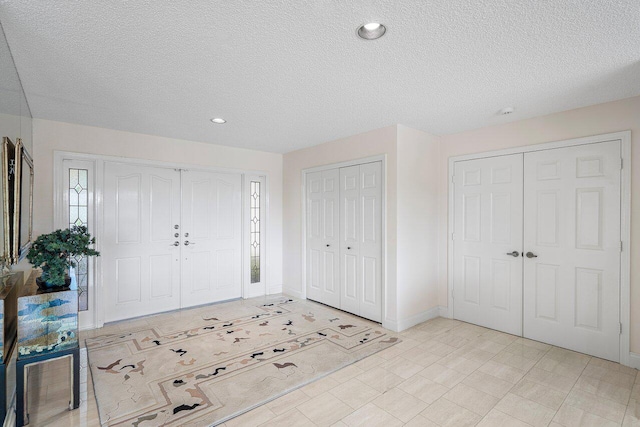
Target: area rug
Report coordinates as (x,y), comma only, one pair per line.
(227,359)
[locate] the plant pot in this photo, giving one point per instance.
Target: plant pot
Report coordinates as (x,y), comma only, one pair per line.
(48,287)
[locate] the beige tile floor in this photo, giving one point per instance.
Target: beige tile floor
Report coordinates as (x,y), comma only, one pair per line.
(445,373)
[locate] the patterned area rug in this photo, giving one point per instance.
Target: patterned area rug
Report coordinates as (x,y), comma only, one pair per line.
(226,359)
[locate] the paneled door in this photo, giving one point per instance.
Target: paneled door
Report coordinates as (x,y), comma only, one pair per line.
(361,240)
(140,255)
(487,242)
(211,239)
(572,244)
(323,268)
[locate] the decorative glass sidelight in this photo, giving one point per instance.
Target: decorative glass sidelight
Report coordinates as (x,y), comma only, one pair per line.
(255,231)
(79,215)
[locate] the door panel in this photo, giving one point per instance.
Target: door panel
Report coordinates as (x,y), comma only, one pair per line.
(350,239)
(211,261)
(141,205)
(487,282)
(572,224)
(370,248)
(322,237)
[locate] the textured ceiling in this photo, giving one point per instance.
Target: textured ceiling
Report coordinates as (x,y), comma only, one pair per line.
(291,74)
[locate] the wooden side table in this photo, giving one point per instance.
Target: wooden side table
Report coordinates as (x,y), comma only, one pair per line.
(9,285)
(47,330)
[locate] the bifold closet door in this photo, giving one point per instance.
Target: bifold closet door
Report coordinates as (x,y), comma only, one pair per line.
(140,258)
(323,267)
(211,237)
(572,242)
(361,240)
(487,245)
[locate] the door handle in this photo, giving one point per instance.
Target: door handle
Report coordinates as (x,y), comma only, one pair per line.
(176,243)
(514,254)
(531,255)
(187,243)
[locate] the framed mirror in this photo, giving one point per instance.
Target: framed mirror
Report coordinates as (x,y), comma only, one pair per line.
(23,203)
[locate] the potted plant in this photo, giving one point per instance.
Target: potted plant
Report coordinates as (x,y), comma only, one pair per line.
(54,252)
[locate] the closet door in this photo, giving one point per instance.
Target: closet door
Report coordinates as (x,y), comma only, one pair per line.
(487,245)
(140,255)
(323,237)
(572,244)
(211,237)
(361,240)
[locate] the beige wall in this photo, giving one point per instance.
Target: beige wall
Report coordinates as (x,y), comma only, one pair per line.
(603,118)
(50,136)
(417,213)
(376,142)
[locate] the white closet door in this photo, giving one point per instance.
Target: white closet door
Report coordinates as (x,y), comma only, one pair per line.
(370,247)
(572,227)
(487,277)
(211,237)
(361,240)
(350,239)
(323,237)
(141,265)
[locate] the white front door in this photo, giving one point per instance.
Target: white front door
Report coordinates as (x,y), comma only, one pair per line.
(572,238)
(361,240)
(487,279)
(140,258)
(211,237)
(323,271)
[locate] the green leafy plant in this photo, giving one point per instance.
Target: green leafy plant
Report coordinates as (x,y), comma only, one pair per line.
(53,252)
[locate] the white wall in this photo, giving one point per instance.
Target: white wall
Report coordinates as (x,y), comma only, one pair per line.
(598,119)
(417,198)
(50,135)
(376,142)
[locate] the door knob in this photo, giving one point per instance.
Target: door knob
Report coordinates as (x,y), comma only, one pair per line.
(328,245)
(514,254)
(187,243)
(348,247)
(531,255)
(176,243)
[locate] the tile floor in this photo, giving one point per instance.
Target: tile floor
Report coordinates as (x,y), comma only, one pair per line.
(445,373)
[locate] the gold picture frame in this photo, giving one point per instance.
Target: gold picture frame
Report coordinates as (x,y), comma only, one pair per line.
(23,201)
(8,184)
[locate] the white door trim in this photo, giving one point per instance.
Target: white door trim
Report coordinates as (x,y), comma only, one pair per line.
(99,160)
(386,322)
(625,221)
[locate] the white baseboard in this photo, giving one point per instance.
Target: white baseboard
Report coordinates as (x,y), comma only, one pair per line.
(274,289)
(444,312)
(432,313)
(634,360)
(292,292)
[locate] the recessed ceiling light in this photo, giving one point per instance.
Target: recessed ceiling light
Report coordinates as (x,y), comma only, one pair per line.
(371,31)
(218,120)
(506,111)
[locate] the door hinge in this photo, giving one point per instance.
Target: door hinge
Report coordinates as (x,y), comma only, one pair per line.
(620,245)
(621,328)
(621,163)
(453,178)
(453,236)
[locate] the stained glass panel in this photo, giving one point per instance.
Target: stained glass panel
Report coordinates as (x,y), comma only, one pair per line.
(79,215)
(254,246)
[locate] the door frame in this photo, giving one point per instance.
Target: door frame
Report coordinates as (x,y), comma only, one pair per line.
(625,218)
(386,323)
(99,161)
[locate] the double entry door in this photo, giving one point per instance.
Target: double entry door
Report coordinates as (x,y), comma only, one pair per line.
(344,238)
(172,239)
(537,246)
